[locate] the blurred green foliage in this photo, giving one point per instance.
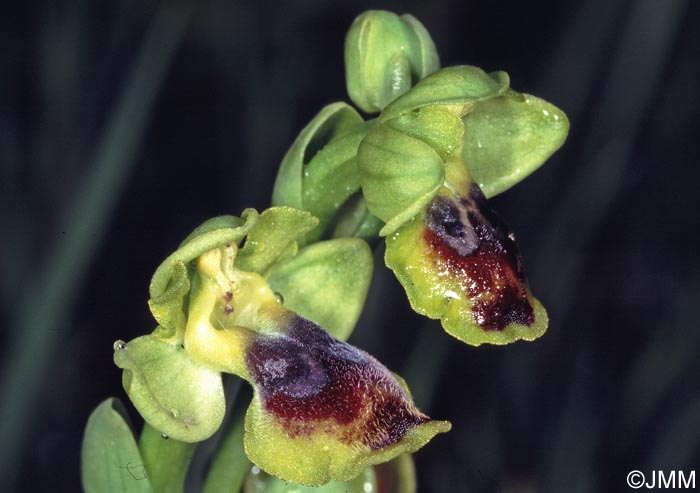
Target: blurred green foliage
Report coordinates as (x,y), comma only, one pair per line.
(617,374)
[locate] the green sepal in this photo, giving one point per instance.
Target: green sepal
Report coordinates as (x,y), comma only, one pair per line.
(171,281)
(356,221)
(275,231)
(506,139)
(399,174)
(327,283)
(331,177)
(436,292)
(175,395)
(260,482)
(384,55)
(110,457)
(332,121)
(457,87)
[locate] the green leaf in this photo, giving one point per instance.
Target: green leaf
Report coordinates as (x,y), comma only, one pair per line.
(110,457)
(457,87)
(275,231)
(399,173)
(507,139)
(260,482)
(327,283)
(176,396)
(333,120)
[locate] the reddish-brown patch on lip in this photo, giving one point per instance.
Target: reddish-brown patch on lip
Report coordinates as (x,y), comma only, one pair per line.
(309,380)
(474,244)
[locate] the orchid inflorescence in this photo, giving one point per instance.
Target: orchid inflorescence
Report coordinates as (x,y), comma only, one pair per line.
(271,297)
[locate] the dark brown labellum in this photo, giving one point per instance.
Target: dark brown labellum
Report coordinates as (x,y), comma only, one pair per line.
(479,250)
(306,377)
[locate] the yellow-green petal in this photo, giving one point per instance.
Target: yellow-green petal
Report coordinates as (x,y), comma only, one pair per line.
(275,231)
(457,87)
(437,126)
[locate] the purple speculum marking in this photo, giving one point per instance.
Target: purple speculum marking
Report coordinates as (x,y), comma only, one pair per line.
(306,377)
(479,250)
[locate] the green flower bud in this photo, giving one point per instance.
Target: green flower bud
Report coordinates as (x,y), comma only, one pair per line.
(385,54)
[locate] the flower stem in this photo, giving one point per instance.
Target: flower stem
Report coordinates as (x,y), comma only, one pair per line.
(230,464)
(166,460)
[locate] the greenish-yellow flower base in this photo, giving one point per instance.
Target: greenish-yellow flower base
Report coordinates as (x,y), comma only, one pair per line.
(321,457)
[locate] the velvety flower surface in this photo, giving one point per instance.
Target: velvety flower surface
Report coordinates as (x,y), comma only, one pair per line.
(322,409)
(332,407)
(459,262)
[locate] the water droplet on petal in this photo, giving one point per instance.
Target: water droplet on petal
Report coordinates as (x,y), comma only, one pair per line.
(119,345)
(164,436)
(279,298)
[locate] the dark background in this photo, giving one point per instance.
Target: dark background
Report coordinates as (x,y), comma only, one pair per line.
(125,124)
